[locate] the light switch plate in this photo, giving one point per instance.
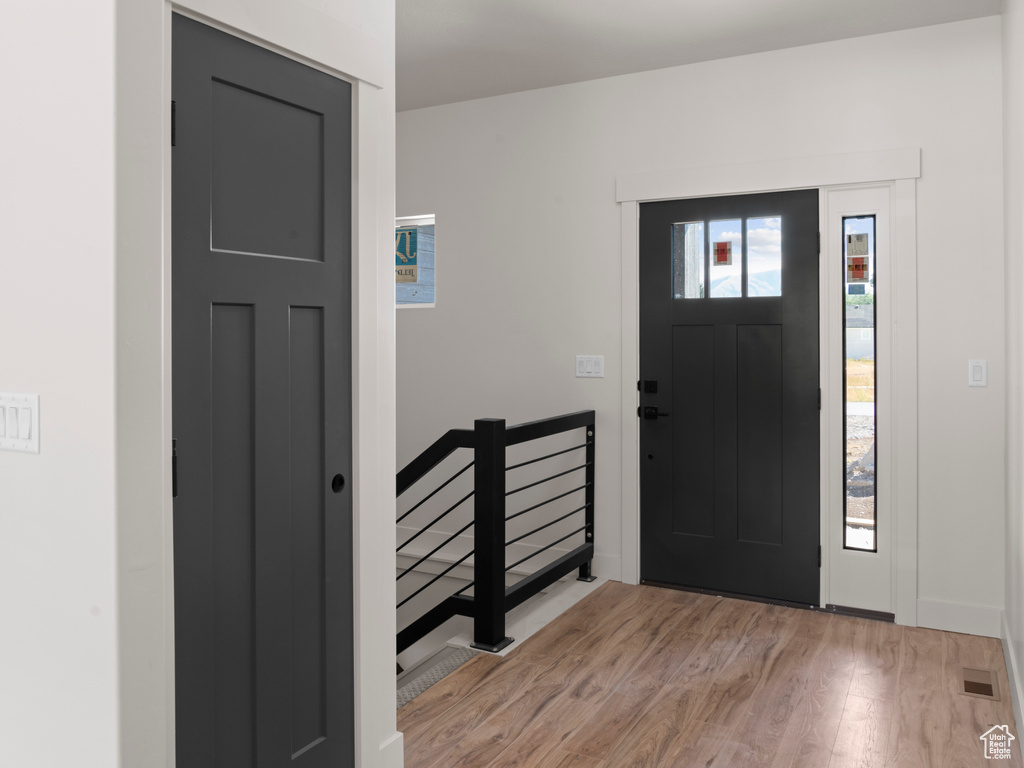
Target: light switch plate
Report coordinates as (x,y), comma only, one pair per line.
(19,425)
(589,366)
(977,373)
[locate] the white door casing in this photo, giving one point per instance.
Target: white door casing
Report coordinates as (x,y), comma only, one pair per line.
(856,579)
(894,170)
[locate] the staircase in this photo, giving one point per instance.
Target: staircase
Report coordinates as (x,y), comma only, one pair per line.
(492,516)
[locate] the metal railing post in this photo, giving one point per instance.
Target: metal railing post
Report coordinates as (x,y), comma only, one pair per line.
(489,536)
(585,574)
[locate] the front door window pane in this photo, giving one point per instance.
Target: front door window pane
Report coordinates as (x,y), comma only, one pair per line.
(726,250)
(764,256)
(688,260)
(859,377)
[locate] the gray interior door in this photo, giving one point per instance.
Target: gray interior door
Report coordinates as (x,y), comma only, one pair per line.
(729,394)
(261,407)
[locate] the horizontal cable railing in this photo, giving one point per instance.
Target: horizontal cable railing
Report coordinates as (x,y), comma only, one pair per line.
(442,448)
(491,547)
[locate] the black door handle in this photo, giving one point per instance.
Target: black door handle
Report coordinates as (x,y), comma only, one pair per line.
(338,483)
(651,412)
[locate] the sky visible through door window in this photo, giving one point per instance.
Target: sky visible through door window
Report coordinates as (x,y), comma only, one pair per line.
(726,263)
(762,251)
(764,256)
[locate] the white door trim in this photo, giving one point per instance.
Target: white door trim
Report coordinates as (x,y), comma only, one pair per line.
(903,167)
(852,578)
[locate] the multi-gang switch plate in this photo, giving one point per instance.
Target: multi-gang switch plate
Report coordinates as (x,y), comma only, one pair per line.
(19,422)
(589,366)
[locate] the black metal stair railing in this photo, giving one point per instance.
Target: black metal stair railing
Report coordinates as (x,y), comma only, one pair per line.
(491,599)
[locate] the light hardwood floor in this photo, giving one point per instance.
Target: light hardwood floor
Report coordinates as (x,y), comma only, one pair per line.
(641,676)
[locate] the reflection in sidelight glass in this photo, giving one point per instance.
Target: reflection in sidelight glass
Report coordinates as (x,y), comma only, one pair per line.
(859,507)
(764,256)
(688,260)
(726,251)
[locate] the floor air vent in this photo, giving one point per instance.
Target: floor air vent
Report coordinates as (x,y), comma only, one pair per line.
(980,683)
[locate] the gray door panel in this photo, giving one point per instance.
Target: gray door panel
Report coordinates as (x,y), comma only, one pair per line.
(262,407)
(729,469)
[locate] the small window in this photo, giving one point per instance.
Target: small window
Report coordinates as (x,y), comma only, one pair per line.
(764,256)
(414,261)
(688,260)
(859,510)
(726,259)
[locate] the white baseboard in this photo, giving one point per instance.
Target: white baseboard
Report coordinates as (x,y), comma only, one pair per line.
(985,620)
(392,752)
(1012,669)
(607,567)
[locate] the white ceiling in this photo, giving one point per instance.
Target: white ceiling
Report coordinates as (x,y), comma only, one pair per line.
(454,50)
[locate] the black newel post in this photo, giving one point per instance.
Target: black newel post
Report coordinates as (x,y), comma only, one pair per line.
(585,574)
(489,535)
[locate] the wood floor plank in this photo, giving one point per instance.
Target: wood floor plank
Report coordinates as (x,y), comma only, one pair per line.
(542,742)
(600,733)
(426,745)
(709,747)
(930,730)
(663,660)
(863,735)
(710,613)
(922,660)
(775,621)
(666,730)
(560,759)
(651,677)
(438,699)
(814,724)
(727,699)
(973,717)
(557,638)
(772,707)
(486,743)
(810,624)
(720,641)
(877,645)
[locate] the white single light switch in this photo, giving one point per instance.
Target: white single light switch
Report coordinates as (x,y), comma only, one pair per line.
(19,417)
(589,366)
(977,373)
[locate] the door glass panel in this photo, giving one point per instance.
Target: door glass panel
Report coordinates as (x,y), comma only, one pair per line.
(726,251)
(688,260)
(859,380)
(764,256)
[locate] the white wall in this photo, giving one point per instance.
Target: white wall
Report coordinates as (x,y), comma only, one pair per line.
(58,602)
(528,250)
(86,649)
(1013,186)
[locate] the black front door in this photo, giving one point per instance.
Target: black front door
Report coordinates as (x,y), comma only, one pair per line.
(729,394)
(261,407)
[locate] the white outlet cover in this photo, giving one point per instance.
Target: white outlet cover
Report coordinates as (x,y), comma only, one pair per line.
(10,404)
